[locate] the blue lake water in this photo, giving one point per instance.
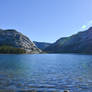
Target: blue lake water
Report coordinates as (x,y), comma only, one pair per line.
(46,72)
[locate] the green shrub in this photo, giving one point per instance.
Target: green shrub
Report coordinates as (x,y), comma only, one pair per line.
(11,50)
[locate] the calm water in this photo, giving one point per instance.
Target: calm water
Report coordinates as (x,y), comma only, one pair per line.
(46,73)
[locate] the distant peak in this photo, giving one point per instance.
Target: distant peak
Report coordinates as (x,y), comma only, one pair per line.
(10,30)
(90,29)
(1,29)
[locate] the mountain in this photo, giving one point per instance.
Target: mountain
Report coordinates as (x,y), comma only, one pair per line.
(16,39)
(77,43)
(41,45)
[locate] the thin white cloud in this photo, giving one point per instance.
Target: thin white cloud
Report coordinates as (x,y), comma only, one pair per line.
(84,26)
(89,24)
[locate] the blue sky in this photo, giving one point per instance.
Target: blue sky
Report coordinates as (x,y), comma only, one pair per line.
(46,20)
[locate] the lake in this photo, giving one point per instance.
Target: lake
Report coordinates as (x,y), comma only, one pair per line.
(46,73)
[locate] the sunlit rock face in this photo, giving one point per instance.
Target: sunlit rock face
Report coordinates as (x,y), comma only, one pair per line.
(18,40)
(77,43)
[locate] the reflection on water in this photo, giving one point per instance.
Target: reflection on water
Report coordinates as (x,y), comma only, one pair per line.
(46,72)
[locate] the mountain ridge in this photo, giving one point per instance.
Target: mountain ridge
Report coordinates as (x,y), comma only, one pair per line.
(11,37)
(41,45)
(77,43)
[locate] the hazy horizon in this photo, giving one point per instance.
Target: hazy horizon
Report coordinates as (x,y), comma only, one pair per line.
(46,20)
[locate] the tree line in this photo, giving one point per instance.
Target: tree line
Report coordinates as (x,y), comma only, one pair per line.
(11,50)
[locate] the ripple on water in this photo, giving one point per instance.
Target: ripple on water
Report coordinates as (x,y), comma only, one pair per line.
(54,73)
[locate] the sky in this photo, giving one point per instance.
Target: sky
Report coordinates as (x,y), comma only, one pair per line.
(46,20)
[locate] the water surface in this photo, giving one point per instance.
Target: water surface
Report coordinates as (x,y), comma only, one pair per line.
(46,72)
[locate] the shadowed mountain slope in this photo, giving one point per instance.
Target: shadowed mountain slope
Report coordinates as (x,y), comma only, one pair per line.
(77,43)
